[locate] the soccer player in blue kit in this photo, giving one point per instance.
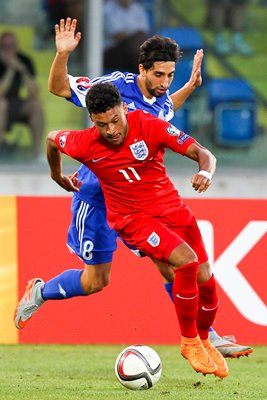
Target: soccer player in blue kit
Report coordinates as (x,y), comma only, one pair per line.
(89,235)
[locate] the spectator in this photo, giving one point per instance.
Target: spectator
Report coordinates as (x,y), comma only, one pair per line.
(124,34)
(17,72)
(228,14)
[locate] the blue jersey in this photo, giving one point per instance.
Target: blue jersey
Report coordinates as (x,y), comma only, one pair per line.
(161,107)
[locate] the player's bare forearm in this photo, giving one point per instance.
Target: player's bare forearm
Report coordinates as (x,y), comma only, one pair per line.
(206,161)
(66,40)
(70,183)
(58,81)
(180,96)
(206,166)
(53,157)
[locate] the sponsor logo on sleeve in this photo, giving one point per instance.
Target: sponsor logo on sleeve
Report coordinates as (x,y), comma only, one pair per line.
(183,138)
(63,139)
(83,84)
(173,131)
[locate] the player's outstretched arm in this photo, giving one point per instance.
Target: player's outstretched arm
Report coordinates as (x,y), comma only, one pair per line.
(179,97)
(66,39)
(201,181)
(69,183)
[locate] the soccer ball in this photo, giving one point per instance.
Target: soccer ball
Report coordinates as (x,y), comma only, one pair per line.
(138,367)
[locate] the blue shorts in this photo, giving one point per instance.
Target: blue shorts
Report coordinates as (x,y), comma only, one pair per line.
(89,235)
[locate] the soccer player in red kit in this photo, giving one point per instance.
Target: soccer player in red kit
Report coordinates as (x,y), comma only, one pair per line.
(126,151)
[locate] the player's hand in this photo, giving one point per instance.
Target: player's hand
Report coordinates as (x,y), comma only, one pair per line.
(66,37)
(75,181)
(196,78)
(66,183)
(200,183)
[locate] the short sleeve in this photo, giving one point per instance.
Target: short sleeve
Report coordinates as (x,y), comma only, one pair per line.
(162,134)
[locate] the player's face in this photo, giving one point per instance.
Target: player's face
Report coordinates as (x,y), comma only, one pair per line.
(157,80)
(112,124)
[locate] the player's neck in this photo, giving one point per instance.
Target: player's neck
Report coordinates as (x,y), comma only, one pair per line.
(142,87)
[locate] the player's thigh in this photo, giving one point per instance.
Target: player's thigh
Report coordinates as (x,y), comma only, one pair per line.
(89,235)
(151,236)
(192,236)
(187,228)
(165,270)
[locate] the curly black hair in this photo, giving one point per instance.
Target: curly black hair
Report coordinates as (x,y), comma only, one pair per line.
(102,97)
(158,48)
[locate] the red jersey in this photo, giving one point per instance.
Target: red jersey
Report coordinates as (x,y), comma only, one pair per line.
(132,175)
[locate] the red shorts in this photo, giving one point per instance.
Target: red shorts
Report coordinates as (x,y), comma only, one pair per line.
(157,236)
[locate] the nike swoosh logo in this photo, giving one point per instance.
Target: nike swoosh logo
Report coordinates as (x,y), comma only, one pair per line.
(98,159)
(186,298)
(209,309)
(21,323)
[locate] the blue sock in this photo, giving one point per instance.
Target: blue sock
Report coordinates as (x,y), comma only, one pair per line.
(168,288)
(64,286)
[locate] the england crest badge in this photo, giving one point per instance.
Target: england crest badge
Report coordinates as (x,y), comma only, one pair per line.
(139,150)
(154,239)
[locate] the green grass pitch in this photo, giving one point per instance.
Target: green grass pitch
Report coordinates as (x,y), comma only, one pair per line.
(78,372)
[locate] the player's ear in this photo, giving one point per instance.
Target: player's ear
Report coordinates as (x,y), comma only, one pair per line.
(125,108)
(91,118)
(141,69)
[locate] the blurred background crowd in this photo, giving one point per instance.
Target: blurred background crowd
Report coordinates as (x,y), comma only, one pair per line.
(228,113)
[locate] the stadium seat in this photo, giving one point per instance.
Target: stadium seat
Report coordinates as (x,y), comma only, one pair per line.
(235,124)
(182,74)
(232,102)
(229,89)
(189,39)
(181,119)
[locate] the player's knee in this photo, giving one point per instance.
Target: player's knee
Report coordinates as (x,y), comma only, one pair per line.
(182,255)
(97,285)
(95,278)
(204,272)
(101,283)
